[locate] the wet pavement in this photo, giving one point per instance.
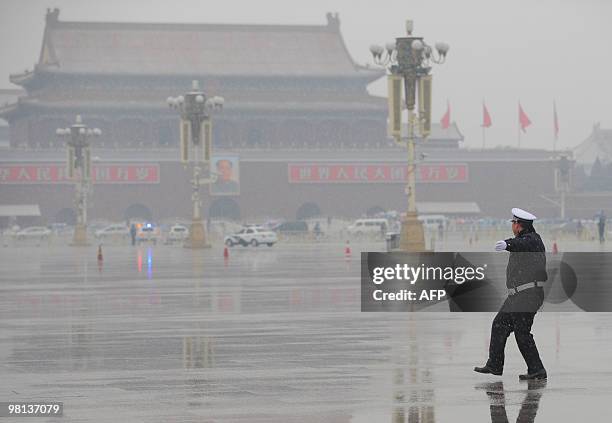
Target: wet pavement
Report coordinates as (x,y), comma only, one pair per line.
(166,334)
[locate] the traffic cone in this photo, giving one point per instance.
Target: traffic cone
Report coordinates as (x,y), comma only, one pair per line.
(225,256)
(555,248)
(100,257)
(347,250)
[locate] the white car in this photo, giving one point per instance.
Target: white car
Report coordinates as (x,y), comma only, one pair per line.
(115,231)
(251,235)
(33,232)
(368,227)
(177,233)
(148,233)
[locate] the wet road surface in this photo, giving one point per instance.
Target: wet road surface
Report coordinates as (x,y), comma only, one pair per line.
(166,334)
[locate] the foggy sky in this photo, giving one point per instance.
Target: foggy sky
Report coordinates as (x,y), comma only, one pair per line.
(502,51)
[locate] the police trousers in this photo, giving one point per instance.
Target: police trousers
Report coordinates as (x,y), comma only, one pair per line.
(516,315)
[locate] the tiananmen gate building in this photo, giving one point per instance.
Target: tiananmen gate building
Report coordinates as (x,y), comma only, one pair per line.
(299,127)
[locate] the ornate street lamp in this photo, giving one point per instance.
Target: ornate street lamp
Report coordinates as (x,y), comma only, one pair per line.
(196,144)
(78,167)
(409,60)
(564,166)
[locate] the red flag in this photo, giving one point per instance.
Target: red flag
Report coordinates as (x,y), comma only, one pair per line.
(523,119)
(445,121)
(556,121)
(486,117)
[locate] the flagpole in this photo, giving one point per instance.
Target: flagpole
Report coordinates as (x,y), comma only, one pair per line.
(483,126)
(555,123)
(519,125)
(483,137)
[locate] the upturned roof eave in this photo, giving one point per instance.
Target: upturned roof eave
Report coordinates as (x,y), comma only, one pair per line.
(363,74)
(7,110)
(22,79)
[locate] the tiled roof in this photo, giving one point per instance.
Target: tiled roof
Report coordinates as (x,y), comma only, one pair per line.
(198,49)
(597,145)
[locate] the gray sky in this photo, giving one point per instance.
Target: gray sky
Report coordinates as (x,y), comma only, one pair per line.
(502,51)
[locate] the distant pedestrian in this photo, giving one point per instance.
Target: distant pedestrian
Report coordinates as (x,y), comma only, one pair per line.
(601,225)
(133,233)
(383,230)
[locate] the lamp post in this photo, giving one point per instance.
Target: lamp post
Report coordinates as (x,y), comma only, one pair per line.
(563,181)
(78,138)
(409,60)
(196,146)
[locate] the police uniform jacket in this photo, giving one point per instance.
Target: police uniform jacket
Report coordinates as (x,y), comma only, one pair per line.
(527,262)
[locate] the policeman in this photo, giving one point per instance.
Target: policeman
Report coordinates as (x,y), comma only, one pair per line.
(525,275)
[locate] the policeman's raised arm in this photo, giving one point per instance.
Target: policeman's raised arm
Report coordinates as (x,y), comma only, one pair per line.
(518,244)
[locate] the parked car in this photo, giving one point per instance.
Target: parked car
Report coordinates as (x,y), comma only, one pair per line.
(11,231)
(148,233)
(251,235)
(369,227)
(116,231)
(33,232)
(61,228)
(177,233)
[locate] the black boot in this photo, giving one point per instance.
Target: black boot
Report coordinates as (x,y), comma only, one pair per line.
(487,369)
(540,374)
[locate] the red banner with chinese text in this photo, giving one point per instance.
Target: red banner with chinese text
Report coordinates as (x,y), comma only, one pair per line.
(55,173)
(375,173)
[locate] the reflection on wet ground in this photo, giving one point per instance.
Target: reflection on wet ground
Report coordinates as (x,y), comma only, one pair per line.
(529,406)
(166,334)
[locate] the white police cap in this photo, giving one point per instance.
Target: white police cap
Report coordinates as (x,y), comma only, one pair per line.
(523,215)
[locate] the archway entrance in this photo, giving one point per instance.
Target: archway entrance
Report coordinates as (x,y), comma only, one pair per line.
(307,210)
(67,216)
(224,208)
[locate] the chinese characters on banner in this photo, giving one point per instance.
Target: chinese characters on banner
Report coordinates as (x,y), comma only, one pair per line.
(375,173)
(55,173)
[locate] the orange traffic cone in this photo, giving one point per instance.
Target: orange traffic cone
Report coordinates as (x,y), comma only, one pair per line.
(347,250)
(100,257)
(225,256)
(555,248)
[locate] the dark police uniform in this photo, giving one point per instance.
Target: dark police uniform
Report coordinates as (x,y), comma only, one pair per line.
(525,275)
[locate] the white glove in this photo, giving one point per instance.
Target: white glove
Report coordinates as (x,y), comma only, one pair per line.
(500,246)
